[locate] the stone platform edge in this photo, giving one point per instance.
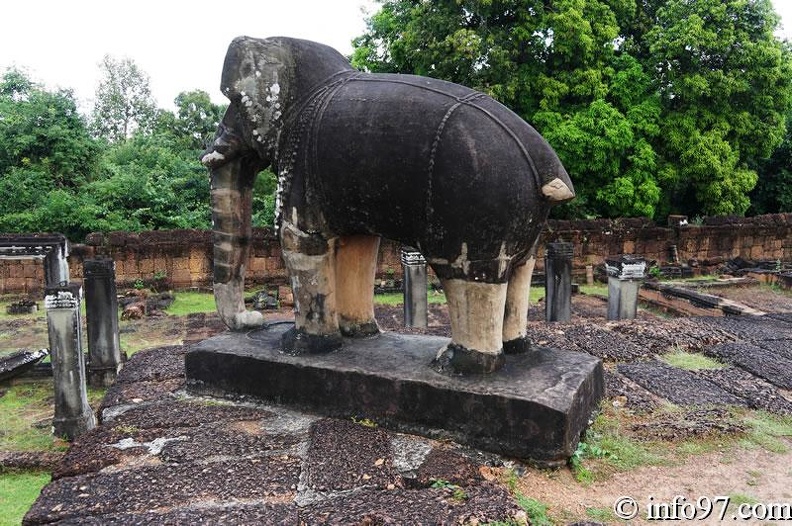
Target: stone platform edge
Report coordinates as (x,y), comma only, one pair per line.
(534,409)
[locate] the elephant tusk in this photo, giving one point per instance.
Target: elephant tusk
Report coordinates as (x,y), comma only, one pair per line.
(212,159)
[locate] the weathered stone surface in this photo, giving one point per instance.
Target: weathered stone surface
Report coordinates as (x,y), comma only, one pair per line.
(99,494)
(481,504)
(765,363)
(628,393)
(226,513)
(605,344)
(752,328)
(696,423)
(759,393)
(184,413)
(534,408)
(677,385)
(365,459)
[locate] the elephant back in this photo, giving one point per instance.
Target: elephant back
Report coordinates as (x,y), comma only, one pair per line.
(428,163)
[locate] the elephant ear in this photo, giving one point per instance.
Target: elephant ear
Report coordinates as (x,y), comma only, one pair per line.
(255,80)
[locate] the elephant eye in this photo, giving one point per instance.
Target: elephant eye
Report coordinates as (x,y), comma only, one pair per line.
(247,68)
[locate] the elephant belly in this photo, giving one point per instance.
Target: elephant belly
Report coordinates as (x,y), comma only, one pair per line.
(434,165)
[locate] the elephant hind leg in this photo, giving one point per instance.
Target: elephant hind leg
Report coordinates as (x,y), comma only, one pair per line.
(356,266)
(515,320)
(476,311)
(310,259)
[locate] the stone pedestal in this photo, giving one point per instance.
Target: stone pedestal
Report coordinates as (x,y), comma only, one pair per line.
(558,282)
(535,408)
(625,275)
(73,415)
(415,283)
(101,314)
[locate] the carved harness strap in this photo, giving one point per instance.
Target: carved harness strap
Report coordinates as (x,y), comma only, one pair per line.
(307,112)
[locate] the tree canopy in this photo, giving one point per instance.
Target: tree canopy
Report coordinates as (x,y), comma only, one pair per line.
(654,106)
(123,100)
(56,176)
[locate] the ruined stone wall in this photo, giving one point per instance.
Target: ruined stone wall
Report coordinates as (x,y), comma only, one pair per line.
(705,246)
(22,276)
(183,258)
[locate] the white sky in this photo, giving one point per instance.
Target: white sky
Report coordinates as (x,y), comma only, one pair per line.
(180,44)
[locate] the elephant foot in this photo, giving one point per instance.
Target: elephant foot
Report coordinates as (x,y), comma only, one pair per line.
(519,345)
(296,341)
(455,359)
(357,329)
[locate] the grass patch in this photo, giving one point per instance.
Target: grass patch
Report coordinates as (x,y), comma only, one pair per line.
(536,510)
(691,361)
(18,491)
(190,302)
(740,498)
(132,342)
(7,300)
(768,431)
(605,515)
(393,299)
(607,449)
(24,411)
(609,446)
(597,289)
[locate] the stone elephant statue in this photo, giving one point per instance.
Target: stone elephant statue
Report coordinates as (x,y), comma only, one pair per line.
(425,162)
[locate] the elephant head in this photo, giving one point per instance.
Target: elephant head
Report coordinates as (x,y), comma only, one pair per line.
(261,80)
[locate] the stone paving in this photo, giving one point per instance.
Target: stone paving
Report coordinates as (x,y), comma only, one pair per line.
(163,457)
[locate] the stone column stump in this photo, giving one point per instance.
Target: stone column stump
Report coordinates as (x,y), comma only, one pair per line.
(73,415)
(101,313)
(558,281)
(625,275)
(415,300)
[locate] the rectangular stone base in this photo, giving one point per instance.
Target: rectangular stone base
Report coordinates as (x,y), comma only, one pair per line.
(535,408)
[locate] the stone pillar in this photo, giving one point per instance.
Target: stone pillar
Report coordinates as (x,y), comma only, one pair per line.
(73,415)
(558,281)
(415,300)
(625,275)
(101,316)
(56,266)
(590,275)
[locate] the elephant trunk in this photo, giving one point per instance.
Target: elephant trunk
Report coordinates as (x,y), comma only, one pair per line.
(232,195)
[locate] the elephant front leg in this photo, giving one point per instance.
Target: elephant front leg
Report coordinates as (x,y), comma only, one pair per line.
(310,260)
(476,311)
(515,320)
(356,267)
(231,191)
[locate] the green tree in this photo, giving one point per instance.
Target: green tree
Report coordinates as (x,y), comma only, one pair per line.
(195,122)
(43,131)
(146,185)
(725,83)
(773,192)
(124,104)
(45,151)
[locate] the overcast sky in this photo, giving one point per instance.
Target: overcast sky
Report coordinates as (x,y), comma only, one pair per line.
(179,44)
